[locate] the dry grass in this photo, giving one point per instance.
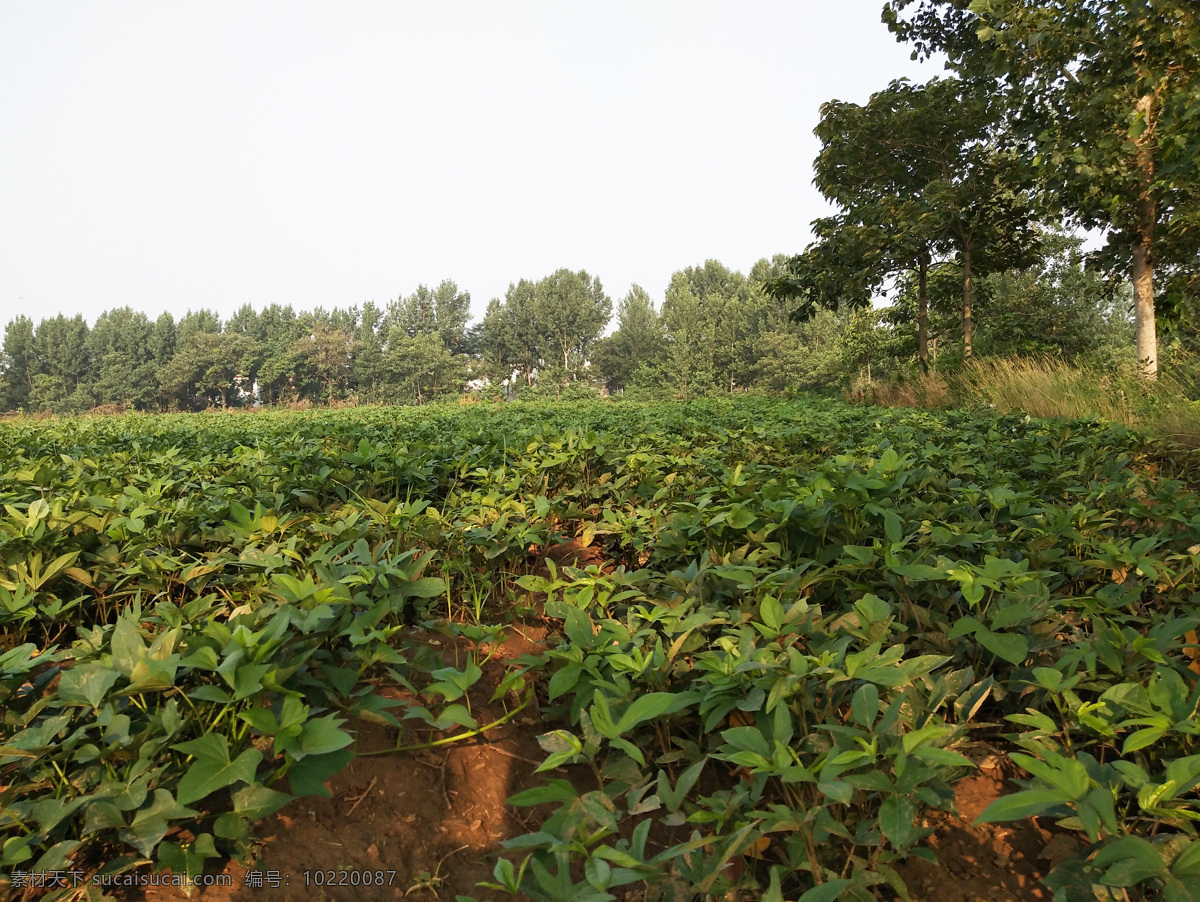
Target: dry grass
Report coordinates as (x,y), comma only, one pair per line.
(929,390)
(1051,388)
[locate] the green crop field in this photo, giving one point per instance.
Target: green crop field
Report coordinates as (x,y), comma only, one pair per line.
(800,624)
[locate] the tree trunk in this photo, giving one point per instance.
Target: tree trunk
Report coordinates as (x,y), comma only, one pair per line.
(923,316)
(967,298)
(1143,258)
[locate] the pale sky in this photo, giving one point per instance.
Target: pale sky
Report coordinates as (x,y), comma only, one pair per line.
(168,155)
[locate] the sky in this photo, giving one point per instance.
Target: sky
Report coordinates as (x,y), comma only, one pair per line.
(172,156)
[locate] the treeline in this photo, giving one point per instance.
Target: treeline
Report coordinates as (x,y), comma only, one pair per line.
(714,330)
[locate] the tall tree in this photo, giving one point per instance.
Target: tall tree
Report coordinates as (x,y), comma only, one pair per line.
(423,367)
(443,311)
(328,350)
(572,310)
(637,342)
(279,330)
(120,348)
(511,335)
(368,366)
(688,362)
(19,362)
(205,369)
(194,322)
(1108,91)
(919,171)
(61,347)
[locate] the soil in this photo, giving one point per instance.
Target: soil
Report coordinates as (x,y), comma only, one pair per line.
(436,820)
(989,862)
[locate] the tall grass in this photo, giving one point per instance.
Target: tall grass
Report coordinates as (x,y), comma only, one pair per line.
(1046,387)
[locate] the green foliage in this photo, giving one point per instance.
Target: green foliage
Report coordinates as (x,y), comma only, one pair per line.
(811,612)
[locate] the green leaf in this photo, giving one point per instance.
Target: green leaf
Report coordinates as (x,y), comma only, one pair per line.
(213,769)
(1141,739)
(425,587)
(86,684)
(308,776)
(1010,647)
(645,708)
(864,707)
(1021,805)
(127,646)
(322,736)
(1129,860)
(257,801)
(893,527)
(1186,865)
(826,892)
(896,816)
(562,746)
(554,791)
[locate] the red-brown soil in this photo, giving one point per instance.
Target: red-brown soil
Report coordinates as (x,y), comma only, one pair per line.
(989,862)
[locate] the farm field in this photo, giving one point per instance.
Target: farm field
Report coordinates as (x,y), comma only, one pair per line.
(751,649)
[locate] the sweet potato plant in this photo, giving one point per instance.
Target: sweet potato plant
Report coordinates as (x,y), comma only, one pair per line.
(807,620)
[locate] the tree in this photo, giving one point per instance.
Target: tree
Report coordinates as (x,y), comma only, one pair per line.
(638,341)
(919,171)
(688,363)
(368,363)
(511,335)
(195,322)
(19,362)
(1057,308)
(60,345)
(724,299)
(1108,93)
(443,311)
(278,331)
(121,349)
(572,310)
(422,366)
(205,369)
(328,350)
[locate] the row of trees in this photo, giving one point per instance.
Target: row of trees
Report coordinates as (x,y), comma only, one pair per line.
(714,330)
(415,346)
(1084,112)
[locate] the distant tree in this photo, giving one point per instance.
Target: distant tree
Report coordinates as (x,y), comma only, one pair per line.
(328,351)
(205,369)
(511,336)
(19,363)
(120,346)
(638,341)
(60,345)
(423,368)
(444,311)
(368,363)
(194,322)
(1058,307)
(688,362)
(572,311)
(162,339)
